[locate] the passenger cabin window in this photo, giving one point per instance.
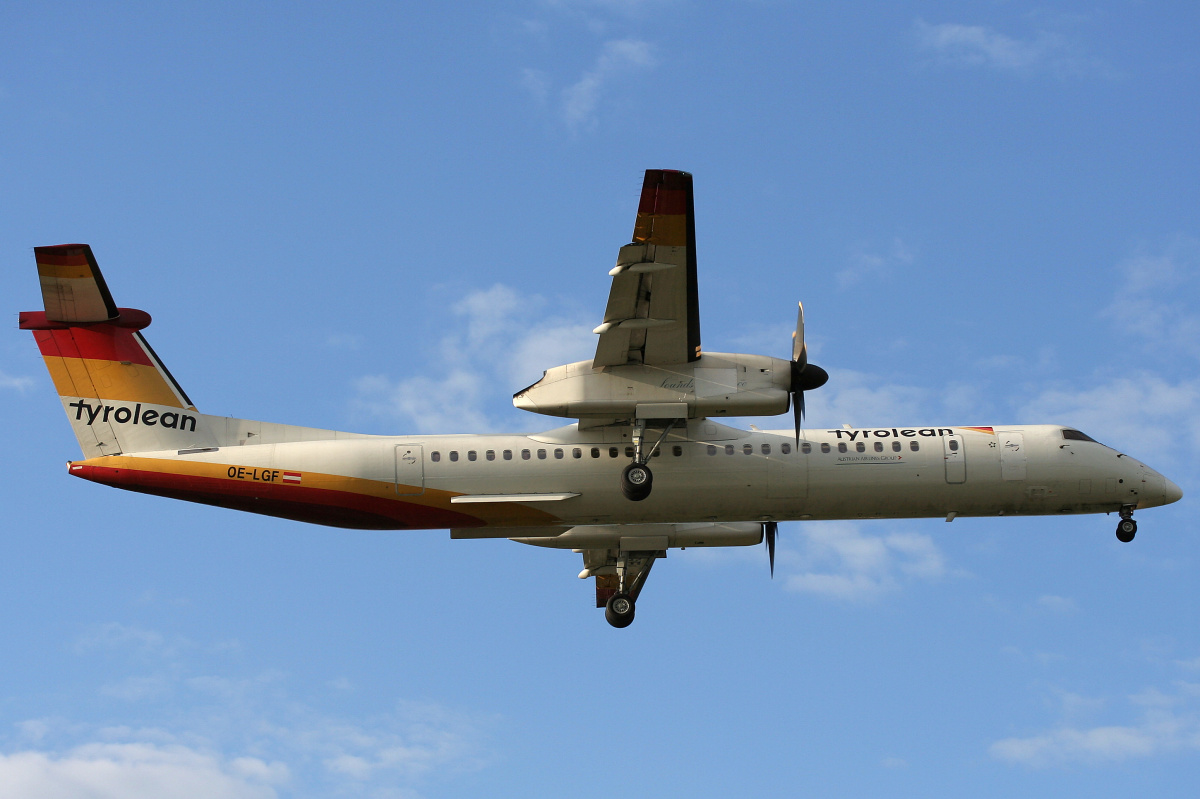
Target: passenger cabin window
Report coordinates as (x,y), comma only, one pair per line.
(576,453)
(471,455)
(508,454)
(453,456)
(729,449)
(1075,435)
(747,449)
(914,446)
(895,446)
(558,453)
(842,446)
(613,452)
(953,445)
(879,446)
(860,446)
(524,454)
(766,449)
(629,452)
(490,455)
(825,448)
(787,448)
(541,454)
(806,448)
(435,456)
(595,452)
(712,449)
(676,450)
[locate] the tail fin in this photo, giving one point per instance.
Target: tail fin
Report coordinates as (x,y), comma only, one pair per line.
(117,394)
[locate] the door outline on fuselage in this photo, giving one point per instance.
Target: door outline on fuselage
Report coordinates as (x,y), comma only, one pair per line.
(1012,456)
(955,456)
(410,470)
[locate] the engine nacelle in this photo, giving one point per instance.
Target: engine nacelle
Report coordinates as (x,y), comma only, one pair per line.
(716,384)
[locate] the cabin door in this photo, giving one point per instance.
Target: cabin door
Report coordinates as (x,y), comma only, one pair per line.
(956,462)
(1012,456)
(410,469)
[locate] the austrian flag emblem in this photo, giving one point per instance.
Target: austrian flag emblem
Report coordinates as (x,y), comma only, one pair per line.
(291,477)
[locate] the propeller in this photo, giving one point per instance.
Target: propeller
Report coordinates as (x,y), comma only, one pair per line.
(805,376)
(770,530)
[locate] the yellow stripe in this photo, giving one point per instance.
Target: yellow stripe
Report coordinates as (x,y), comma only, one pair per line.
(65,271)
(110,380)
(502,514)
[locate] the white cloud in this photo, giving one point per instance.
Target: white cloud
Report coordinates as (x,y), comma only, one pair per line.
(978,46)
(862,400)
(866,263)
(1156,298)
(15,383)
(617,59)
(1057,605)
(1166,723)
(221,733)
(503,343)
(837,560)
(132,689)
(133,771)
(1144,411)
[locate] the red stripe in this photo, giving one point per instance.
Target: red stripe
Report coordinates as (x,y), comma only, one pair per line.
(101,342)
(62,255)
(315,505)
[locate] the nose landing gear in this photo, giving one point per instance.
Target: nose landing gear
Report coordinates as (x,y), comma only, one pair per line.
(1127,527)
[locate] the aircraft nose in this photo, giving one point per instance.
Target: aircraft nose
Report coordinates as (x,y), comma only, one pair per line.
(1171,492)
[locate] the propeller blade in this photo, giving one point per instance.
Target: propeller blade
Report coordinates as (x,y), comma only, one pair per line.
(798,353)
(798,412)
(769,531)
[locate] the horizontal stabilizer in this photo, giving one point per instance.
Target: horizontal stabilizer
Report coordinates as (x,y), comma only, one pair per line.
(72,286)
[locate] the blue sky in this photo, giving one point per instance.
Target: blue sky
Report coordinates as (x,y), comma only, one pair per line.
(388,219)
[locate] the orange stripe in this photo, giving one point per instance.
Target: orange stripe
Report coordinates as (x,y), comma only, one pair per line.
(110,380)
(501,513)
(667,229)
(66,271)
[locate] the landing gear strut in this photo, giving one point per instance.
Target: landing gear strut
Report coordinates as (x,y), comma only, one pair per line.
(1127,527)
(637,479)
(624,574)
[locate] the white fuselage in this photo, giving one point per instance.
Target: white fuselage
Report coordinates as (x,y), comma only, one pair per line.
(711,472)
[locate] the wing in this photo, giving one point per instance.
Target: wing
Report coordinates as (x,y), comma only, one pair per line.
(653,313)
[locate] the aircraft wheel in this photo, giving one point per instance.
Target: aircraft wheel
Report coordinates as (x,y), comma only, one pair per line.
(1126,530)
(636,482)
(619,610)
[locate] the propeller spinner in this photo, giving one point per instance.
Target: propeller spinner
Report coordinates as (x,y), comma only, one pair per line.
(805,376)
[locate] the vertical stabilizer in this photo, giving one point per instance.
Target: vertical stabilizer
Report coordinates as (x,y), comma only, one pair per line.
(118,396)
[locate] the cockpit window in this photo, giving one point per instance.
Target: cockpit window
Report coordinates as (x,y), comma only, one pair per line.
(1075,435)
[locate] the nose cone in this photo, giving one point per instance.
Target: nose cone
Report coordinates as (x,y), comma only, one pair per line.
(1171,492)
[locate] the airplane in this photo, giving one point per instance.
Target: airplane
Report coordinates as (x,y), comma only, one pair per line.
(643,468)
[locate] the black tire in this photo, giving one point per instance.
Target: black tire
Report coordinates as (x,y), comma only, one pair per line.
(619,610)
(636,482)
(1126,530)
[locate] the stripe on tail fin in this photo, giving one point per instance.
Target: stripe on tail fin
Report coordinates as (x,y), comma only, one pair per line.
(118,395)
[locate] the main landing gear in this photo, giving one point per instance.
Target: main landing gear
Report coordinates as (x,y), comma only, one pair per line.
(1127,527)
(620,576)
(619,610)
(637,479)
